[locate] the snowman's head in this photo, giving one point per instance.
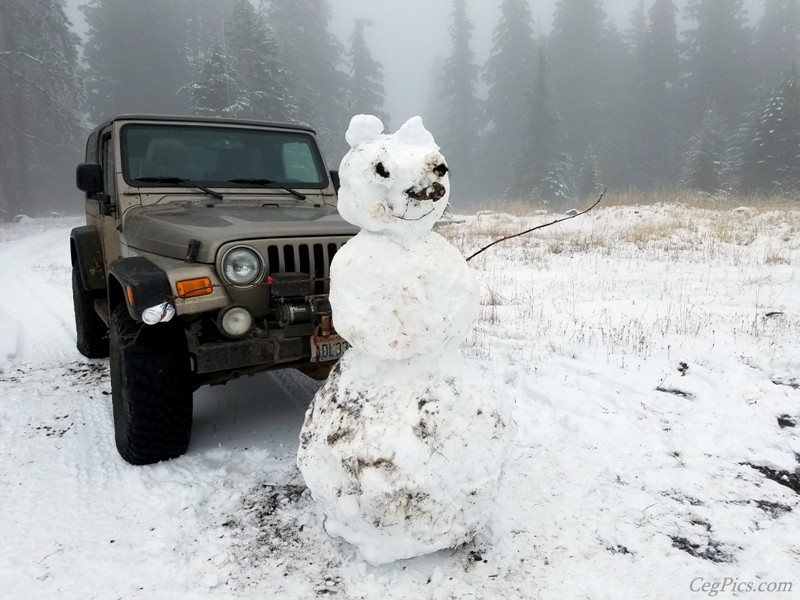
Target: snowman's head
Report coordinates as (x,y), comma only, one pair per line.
(396,184)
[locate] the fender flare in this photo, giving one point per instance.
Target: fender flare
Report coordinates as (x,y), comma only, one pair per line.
(142,283)
(87,252)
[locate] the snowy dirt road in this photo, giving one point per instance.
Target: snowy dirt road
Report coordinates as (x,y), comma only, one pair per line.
(77,521)
(657,445)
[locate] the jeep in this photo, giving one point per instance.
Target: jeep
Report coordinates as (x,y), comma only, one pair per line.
(205,256)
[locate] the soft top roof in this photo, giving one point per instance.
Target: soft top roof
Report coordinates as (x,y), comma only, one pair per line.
(196,119)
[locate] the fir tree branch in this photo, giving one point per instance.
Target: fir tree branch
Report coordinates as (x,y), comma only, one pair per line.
(23,54)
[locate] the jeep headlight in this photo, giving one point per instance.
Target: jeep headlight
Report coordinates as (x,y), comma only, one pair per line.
(242,266)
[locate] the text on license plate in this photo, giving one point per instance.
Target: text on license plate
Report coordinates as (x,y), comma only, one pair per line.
(330,347)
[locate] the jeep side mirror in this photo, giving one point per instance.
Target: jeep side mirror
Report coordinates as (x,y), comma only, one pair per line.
(89,178)
(335,180)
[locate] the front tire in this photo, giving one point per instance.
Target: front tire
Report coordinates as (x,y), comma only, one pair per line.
(151,389)
(92,333)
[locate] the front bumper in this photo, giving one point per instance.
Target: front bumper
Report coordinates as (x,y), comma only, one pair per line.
(230,355)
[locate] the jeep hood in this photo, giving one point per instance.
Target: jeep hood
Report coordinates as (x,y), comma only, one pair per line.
(167,230)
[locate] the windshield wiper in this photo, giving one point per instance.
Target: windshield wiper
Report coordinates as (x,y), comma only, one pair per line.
(266,182)
(181,181)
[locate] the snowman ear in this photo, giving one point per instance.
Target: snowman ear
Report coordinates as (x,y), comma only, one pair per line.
(363,128)
(414,132)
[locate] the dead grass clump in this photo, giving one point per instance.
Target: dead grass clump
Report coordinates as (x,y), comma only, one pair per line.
(731,228)
(776,259)
(646,232)
(662,231)
(722,201)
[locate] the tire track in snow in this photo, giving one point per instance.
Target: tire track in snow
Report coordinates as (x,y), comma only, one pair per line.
(36,299)
(80,509)
(45,512)
(297,386)
(72,505)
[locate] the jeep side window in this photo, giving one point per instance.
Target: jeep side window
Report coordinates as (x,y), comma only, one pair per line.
(109,186)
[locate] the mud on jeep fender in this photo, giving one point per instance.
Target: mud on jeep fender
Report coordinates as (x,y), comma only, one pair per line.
(142,284)
(87,253)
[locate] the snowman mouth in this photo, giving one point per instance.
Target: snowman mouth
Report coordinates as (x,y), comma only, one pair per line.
(434,191)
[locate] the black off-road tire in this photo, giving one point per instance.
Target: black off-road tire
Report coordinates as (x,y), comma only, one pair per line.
(92,333)
(151,389)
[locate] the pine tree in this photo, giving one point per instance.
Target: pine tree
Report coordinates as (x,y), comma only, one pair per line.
(509,73)
(136,54)
(216,92)
(541,171)
(657,119)
(778,37)
(314,59)
(592,84)
(720,64)
(256,57)
(366,77)
(577,46)
(638,31)
(772,159)
(739,141)
(662,48)
(705,166)
(460,124)
(40,106)
(589,178)
(204,22)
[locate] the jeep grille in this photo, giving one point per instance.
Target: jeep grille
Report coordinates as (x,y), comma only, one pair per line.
(287,255)
(314,259)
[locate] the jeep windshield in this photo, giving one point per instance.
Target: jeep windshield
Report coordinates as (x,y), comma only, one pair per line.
(215,156)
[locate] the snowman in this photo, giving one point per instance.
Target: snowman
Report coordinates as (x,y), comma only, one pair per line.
(404,445)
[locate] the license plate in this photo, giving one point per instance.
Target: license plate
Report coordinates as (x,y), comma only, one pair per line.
(328,347)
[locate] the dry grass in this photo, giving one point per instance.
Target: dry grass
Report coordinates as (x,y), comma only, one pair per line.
(721,201)
(628,281)
(716,234)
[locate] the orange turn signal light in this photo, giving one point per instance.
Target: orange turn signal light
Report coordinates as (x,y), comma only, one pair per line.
(191,288)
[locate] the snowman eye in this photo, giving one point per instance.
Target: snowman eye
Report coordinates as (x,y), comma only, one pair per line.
(441,170)
(381,170)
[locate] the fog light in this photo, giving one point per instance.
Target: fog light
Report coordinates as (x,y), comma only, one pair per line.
(158,314)
(235,321)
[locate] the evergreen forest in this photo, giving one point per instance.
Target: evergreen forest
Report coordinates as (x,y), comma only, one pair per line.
(692,95)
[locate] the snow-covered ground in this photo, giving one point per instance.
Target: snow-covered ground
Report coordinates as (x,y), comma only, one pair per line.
(651,353)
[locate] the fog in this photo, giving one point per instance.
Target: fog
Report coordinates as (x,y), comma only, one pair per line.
(691,96)
(410,37)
